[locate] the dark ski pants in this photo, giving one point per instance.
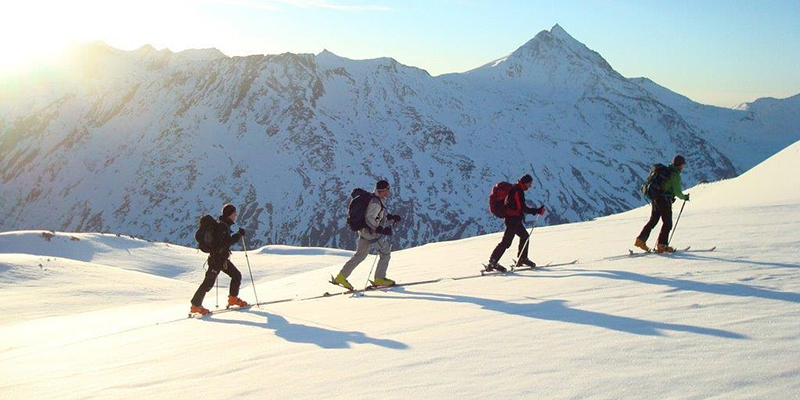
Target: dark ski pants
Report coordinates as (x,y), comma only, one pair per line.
(211,277)
(660,208)
(514,227)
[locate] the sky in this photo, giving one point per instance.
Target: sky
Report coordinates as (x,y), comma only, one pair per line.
(715,52)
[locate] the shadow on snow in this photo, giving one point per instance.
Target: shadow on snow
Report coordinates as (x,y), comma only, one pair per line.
(558,310)
(691,256)
(299,333)
(727,289)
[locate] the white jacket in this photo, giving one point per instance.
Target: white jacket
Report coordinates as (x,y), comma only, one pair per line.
(374,217)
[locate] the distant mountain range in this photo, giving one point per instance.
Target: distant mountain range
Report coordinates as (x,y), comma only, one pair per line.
(144,142)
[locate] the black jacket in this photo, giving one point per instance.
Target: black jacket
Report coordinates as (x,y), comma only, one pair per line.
(225,239)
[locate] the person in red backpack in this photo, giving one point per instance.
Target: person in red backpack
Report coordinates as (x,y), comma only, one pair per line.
(514,220)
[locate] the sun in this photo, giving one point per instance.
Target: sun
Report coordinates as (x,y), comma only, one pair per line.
(32,31)
(40,31)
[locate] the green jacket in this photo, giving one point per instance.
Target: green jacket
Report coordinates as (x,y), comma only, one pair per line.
(672,186)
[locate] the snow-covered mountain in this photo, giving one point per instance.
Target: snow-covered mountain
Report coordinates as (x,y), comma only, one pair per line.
(104,317)
(146,141)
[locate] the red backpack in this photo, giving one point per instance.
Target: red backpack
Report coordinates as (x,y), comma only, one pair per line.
(497,199)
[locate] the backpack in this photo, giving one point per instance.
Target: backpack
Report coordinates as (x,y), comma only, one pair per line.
(654,185)
(206,234)
(497,199)
(357,209)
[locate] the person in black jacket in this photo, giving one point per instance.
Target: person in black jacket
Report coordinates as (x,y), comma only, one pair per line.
(218,260)
(515,217)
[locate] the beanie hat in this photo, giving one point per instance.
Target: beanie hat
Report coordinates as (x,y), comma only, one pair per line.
(382,185)
(527,178)
(678,160)
(228,209)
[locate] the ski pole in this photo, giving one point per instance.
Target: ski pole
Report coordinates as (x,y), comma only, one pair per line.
(251,271)
(377,255)
(676,223)
(519,254)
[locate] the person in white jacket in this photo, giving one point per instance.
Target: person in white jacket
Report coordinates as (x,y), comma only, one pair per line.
(374,234)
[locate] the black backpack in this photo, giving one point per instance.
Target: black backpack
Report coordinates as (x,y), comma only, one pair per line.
(207,234)
(357,209)
(654,185)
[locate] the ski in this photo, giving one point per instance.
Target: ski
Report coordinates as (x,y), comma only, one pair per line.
(353,292)
(575,261)
(687,249)
(372,287)
(220,311)
(632,253)
(484,272)
(333,282)
(548,265)
(491,271)
(710,249)
(515,265)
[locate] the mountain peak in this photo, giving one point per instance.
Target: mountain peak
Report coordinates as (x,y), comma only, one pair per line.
(89,51)
(209,54)
(145,49)
(550,55)
(556,36)
(559,32)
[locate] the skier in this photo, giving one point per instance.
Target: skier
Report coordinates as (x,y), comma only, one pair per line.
(661,207)
(218,261)
(375,233)
(514,220)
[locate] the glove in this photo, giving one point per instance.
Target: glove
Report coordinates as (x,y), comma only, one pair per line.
(241,232)
(387,230)
(541,210)
(395,218)
(687,196)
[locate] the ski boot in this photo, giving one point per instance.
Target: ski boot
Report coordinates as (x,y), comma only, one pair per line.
(385,282)
(235,301)
(641,244)
(525,262)
(198,310)
(494,266)
(662,248)
(341,280)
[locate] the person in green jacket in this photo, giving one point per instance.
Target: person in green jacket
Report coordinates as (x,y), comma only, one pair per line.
(661,207)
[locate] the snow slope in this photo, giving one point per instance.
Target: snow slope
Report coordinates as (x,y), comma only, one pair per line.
(719,324)
(771,183)
(161,259)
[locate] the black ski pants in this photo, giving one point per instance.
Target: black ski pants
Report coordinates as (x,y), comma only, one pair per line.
(661,208)
(514,227)
(214,268)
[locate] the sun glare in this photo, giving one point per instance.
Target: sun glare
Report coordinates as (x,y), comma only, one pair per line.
(29,33)
(39,31)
